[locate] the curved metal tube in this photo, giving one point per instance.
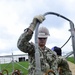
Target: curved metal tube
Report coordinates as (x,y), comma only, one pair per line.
(37,55)
(16,72)
(71,29)
(5,71)
(50,71)
(53,13)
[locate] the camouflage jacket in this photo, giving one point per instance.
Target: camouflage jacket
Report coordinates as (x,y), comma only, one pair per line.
(48,57)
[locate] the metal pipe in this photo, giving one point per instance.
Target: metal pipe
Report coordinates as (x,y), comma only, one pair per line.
(71,26)
(37,55)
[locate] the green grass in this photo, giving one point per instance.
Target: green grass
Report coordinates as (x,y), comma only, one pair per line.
(71,59)
(9,67)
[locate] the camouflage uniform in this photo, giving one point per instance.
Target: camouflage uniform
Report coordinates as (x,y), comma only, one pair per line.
(64,66)
(48,57)
(62,62)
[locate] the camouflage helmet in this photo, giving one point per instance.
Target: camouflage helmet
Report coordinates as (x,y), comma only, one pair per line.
(43,32)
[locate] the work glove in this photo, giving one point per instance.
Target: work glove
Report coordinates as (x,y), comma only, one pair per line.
(39,18)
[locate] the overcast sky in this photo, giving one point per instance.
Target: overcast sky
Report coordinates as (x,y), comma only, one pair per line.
(16,15)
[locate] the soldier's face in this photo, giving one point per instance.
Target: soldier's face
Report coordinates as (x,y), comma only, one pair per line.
(42,41)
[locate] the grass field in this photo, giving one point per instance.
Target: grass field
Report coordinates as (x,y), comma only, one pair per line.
(10,66)
(71,59)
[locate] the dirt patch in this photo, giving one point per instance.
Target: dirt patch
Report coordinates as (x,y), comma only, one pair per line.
(72,67)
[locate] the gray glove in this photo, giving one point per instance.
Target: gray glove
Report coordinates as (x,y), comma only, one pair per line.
(39,18)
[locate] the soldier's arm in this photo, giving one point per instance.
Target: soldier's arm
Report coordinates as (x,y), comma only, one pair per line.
(23,41)
(63,64)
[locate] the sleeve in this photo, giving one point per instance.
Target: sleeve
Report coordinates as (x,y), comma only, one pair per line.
(23,41)
(64,66)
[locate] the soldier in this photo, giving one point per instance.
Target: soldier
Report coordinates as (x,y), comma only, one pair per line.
(48,58)
(62,62)
(57,50)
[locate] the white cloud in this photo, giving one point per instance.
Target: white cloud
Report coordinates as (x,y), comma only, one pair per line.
(16,15)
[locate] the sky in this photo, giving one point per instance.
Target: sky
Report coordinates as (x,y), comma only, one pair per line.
(16,15)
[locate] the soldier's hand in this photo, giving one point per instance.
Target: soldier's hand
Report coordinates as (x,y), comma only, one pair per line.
(39,18)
